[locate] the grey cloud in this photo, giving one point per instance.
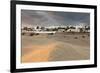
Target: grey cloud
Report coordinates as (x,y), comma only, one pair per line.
(48,18)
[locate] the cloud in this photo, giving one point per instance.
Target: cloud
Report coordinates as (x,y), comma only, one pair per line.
(51,18)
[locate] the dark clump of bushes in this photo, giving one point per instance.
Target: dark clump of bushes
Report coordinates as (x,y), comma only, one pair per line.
(83,36)
(88,35)
(36,33)
(75,37)
(31,34)
(23,33)
(50,33)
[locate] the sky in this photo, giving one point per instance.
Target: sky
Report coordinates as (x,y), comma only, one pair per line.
(53,18)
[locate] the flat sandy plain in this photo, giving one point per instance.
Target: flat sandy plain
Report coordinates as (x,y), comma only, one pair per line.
(57,47)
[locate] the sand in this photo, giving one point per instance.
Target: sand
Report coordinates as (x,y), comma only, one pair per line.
(58,47)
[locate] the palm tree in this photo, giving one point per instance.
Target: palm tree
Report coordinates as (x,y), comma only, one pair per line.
(25,28)
(72,27)
(66,28)
(88,28)
(37,27)
(42,28)
(81,30)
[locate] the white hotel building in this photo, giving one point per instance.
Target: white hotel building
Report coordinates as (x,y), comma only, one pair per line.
(39,30)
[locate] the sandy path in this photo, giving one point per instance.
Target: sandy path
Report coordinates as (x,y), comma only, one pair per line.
(69,52)
(40,54)
(56,52)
